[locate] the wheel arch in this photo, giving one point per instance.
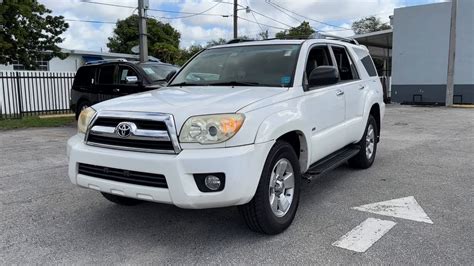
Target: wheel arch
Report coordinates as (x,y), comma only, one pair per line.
(291,131)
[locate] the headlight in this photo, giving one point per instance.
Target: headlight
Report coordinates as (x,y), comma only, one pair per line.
(84,119)
(210,129)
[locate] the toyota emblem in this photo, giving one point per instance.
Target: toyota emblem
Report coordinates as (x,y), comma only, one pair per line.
(125,129)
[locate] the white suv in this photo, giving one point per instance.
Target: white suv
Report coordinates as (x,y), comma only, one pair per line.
(238,125)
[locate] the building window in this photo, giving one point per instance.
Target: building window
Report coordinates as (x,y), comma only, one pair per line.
(42,65)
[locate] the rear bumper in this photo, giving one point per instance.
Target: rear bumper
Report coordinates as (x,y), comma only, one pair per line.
(242,166)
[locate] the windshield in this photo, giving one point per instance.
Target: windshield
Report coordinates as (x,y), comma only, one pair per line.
(157,72)
(258,65)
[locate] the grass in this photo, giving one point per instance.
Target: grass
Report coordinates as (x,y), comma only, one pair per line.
(35,121)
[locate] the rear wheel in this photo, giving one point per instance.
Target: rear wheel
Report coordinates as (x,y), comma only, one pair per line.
(366,156)
(121,200)
(274,205)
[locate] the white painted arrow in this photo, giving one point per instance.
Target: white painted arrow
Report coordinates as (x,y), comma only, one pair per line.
(363,236)
(405,208)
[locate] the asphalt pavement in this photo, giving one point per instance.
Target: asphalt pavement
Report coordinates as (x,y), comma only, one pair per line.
(427,153)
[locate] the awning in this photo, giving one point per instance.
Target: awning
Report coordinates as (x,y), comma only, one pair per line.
(90,58)
(381,39)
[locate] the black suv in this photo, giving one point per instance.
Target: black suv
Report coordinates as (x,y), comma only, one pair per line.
(106,79)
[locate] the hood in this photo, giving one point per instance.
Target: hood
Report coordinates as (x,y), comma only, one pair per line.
(184,102)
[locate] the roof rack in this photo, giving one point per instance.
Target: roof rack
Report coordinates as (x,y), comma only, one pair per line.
(239,40)
(106,61)
(319,35)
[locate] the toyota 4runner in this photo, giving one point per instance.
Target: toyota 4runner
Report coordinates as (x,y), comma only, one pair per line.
(239,125)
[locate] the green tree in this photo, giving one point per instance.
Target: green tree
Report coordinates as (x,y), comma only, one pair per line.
(126,35)
(219,41)
(369,24)
(27,31)
(304,30)
(166,52)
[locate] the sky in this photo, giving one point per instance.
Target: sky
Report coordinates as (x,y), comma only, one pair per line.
(331,16)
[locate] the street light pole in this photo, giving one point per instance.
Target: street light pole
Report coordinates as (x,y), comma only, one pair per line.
(142,6)
(451,55)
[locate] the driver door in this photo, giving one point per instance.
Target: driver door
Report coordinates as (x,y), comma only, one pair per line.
(325,106)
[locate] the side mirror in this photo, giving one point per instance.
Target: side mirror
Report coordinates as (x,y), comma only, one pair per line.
(131,79)
(170,75)
(323,75)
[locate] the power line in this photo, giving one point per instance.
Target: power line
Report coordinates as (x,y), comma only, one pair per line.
(263,15)
(271,4)
(266,25)
(255,18)
(151,9)
(106,4)
(318,21)
(192,15)
(91,21)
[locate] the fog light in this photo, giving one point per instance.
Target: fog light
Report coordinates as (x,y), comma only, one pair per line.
(212,182)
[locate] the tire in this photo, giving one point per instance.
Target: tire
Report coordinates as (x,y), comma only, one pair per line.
(366,156)
(81,106)
(121,200)
(258,213)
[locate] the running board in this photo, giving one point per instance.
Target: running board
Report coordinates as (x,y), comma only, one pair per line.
(331,161)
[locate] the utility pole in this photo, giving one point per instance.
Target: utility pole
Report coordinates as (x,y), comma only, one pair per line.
(142,6)
(451,55)
(235,19)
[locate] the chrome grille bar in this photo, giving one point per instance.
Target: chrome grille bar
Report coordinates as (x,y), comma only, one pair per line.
(142,140)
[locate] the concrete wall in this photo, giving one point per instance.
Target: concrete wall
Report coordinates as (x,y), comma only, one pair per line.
(464,67)
(420,53)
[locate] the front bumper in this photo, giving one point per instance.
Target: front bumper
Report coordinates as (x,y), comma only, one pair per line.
(242,166)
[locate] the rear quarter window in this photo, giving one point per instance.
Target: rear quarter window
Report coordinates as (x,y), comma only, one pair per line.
(366,61)
(85,76)
(369,66)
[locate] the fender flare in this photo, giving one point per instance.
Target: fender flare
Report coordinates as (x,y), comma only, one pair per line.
(267,131)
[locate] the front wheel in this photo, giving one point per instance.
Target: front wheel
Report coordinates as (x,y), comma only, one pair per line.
(274,205)
(368,146)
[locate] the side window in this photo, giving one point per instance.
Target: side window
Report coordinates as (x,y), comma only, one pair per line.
(124,72)
(318,56)
(106,75)
(85,76)
(347,70)
(369,66)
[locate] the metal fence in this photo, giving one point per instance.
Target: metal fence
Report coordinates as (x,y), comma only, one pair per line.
(24,93)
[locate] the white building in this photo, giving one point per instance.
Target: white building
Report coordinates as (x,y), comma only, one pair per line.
(416,52)
(74,60)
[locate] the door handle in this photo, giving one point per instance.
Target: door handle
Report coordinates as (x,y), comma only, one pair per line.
(339,92)
(362,87)
(116,90)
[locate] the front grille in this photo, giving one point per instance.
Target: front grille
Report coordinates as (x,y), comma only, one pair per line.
(124,176)
(152,132)
(141,123)
(131,143)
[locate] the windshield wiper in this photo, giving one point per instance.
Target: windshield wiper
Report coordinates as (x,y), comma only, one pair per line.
(159,80)
(185,84)
(234,83)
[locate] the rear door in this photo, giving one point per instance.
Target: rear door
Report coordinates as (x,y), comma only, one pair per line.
(106,85)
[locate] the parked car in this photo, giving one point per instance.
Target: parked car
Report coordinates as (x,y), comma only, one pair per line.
(238,125)
(106,79)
